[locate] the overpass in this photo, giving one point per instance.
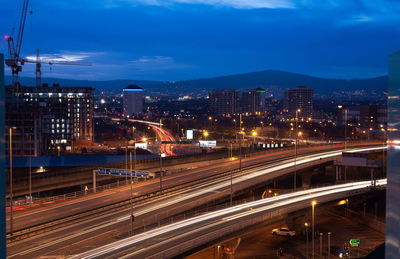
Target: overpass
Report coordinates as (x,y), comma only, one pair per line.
(74,222)
(177,238)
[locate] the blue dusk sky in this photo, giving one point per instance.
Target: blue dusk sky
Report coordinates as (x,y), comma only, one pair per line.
(188,39)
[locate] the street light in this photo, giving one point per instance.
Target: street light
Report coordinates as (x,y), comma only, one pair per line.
(254,136)
(58,149)
(295,151)
(345,126)
(134,168)
(306,225)
(205,134)
(11,190)
(313,203)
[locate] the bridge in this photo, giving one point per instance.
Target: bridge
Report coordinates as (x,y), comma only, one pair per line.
(101,218)
(177,238)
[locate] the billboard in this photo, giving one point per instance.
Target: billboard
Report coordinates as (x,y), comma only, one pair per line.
(142,145)
(208,143)
(189,134)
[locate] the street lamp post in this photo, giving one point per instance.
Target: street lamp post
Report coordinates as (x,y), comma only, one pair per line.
(306,224)
(345,130)
(329,244)
(161,156)
(131,201)
(134,168)
(11,180)
(295,151)
(126,159)
(313,203)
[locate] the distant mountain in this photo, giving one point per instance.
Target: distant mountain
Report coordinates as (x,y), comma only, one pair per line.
(272,80)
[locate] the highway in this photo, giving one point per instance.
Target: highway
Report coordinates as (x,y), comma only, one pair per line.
(102,228)
(176,238)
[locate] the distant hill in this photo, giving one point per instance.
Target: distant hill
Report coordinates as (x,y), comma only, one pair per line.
(273,80)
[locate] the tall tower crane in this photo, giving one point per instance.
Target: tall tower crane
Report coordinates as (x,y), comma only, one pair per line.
(14,61)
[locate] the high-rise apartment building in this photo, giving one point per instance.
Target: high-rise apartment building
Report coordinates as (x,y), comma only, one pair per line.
(301,98)
(49,119)
(253,101)
(133,100)
(224,101)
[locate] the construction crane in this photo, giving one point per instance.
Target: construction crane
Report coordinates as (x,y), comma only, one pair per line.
(14,61)
(39,63)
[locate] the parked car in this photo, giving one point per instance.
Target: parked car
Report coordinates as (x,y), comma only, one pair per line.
(283,232)
(335,250)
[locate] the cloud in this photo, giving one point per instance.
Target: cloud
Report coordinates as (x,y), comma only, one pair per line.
(238,4)
(64,56)
(148,63)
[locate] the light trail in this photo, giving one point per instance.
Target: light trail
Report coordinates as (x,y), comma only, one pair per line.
(212,186)
(257,207)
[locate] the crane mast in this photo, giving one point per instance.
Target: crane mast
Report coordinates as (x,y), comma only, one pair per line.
(14,61)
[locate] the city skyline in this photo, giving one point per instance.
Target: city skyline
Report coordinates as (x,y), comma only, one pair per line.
(178,40)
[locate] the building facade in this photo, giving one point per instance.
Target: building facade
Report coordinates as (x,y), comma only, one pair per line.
(133,100)
(392,244)
(49,119)
(253,101)
(365,116)
(223,102)
(301,98)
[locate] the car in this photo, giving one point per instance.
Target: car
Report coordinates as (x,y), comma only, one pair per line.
(335,250)
(283,232)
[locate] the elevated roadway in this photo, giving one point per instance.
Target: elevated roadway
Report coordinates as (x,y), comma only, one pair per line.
(177,238)
(87,221)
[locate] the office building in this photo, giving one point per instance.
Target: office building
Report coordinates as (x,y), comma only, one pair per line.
(301,98)
(224,102)
(253,101)
(133,100)
(365,116)
(49,120)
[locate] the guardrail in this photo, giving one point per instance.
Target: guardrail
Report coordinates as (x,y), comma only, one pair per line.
(77,194)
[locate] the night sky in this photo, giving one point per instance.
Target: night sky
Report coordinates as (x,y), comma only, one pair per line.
(187,39)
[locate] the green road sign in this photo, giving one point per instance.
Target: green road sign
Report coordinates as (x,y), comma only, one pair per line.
(354,242)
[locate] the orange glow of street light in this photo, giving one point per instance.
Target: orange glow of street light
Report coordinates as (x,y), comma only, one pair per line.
(205,133)
(254,133)
(300,133)
(314,203)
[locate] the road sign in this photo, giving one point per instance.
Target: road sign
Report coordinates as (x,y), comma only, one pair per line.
(122,172)
(179,142)
(354,242)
